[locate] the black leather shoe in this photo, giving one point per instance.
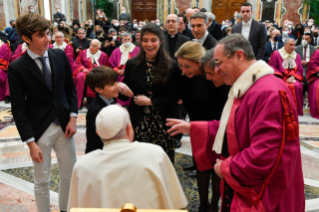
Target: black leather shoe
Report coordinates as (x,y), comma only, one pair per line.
(178,143)
(7,100)
(192,173)
(189,167)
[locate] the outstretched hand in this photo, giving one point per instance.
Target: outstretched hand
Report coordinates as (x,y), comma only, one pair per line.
(125,90)
(178,126)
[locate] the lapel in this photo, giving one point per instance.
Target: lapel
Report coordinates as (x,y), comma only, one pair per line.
(240,25)
(34,68)
(178,43)
(251,36)
(54,68)
(167,43)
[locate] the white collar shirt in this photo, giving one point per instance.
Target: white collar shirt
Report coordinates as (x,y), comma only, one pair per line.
(203,38)
(37,60)
(272,45)
(245,29)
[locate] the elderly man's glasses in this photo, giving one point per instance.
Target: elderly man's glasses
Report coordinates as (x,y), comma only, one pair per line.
(218,63)
(173,21)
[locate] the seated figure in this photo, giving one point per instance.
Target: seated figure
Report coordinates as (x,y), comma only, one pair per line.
(313,87)
(5,59)
(124,171)
(84,63)
(119,58)
(60,43)
(287,65)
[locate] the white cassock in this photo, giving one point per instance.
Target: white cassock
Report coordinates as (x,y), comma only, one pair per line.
(125,172)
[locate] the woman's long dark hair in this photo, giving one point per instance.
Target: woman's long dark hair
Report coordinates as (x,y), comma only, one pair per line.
(163,62)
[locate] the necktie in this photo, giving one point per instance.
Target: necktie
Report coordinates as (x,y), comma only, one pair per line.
(315,41)
(48,79)
(305,54)
(275,47)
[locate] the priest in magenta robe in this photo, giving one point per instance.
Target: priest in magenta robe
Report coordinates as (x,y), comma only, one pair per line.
(61,44)
(119,58)
(257,136)
(287,65)
(5,59)
(313,87)
(84,63)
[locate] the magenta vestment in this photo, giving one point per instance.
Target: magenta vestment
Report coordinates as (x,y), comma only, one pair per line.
(82,62)
(296,88)
(254,137)
(5,59)
(115,61)
(313,87)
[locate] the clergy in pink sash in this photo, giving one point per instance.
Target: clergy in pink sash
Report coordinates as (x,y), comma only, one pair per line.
(61,44)
(84,63)
(257,136)
(313,87)
(119,58)
(5,59)
(287,65)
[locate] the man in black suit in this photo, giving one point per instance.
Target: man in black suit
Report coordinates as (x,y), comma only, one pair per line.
(199,29)
(173,39)
(81,42)
(183,26)
(124,15)
(214,28)
(58,16)
(273,45)
(44,107)
(252,30)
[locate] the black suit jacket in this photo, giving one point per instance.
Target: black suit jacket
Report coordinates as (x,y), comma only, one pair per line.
(165,95)
(215,30)
(269,50)
(188,33)
(59,17)
(84,43)
(209,42)
(93,140)
(257,37)
(181,39)
(34,105)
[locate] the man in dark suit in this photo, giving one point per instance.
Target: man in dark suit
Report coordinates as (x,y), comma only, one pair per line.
(44,107)
(214,28)
(305,51)
(58,16)
(252,30)
(285,35)
(273,45)
(124,15)
(173,39)
(81,42)
(199,29)
(183,26)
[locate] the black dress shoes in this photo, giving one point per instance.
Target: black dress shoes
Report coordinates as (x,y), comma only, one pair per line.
(178,143)
(189,167)
(192,173)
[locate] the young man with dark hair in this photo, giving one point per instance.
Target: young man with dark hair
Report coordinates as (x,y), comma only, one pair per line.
(103,81)
(44,107)
(31,9)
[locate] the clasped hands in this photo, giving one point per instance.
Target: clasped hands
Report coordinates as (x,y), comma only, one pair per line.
(291,80)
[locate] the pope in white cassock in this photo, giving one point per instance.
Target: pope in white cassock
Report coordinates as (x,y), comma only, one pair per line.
(124,171)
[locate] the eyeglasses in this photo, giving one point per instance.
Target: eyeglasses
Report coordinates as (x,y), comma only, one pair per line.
(173,21)
(219,62)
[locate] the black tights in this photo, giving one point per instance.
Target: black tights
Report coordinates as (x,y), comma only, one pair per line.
(203,178)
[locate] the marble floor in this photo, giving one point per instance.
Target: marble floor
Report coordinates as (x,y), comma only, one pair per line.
(16,182)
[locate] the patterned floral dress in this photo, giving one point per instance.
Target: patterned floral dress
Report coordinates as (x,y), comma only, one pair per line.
(151,127)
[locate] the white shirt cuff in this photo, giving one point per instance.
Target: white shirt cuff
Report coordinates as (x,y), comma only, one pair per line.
(30,140)
(72,114)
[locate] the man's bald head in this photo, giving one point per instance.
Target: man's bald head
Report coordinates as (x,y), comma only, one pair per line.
(189,12)
(96,41)
(172,21)
(95,46)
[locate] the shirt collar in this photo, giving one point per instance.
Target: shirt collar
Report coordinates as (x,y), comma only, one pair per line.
(203,38)
(108,102)
(34,55)
(248,23)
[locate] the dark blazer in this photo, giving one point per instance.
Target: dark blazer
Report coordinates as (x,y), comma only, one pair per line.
(93,140)
(301,50)
(188,33)
(34,105)
(269,50)
(214,30)
(84,43)
(181,39)
(125,17)
(209,42)
(108,50)
(59,17)
(257,37)
(164,98)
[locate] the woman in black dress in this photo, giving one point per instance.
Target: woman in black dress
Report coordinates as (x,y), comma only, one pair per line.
(152,77)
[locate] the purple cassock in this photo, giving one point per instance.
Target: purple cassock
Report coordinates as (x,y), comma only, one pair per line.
(115,64)
(82,62)
(264,164)
(313,87)
(5,59)
(296,88)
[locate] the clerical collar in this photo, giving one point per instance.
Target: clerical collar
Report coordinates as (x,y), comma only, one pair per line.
(172,36)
